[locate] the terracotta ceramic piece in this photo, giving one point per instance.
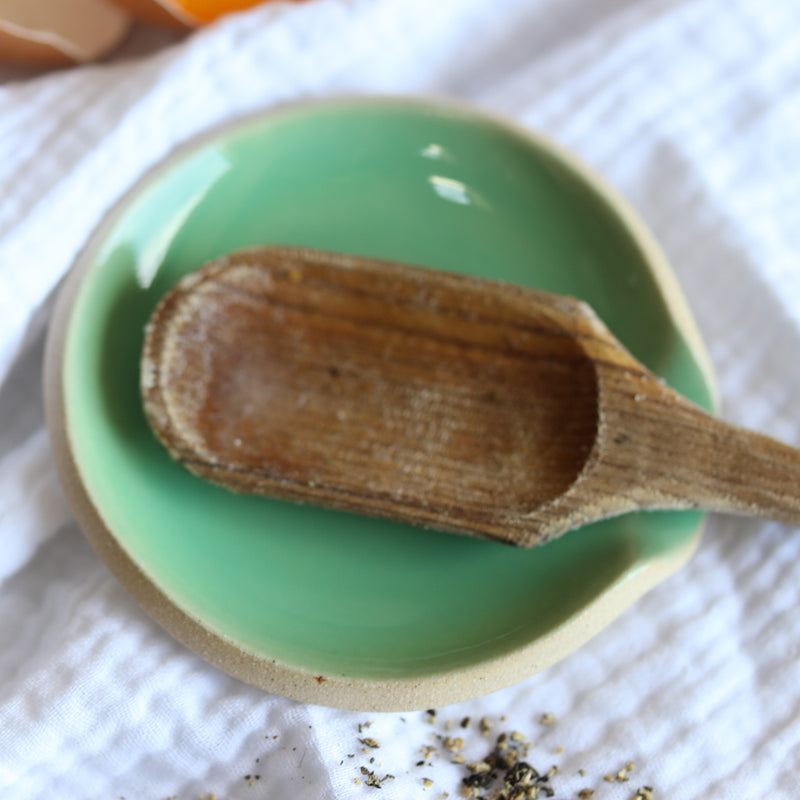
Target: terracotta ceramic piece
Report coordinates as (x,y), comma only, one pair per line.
(59,32)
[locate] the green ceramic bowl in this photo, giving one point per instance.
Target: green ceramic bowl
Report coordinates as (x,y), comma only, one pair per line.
(320,605)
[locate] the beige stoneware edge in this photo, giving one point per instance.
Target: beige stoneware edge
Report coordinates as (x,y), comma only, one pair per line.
(328,689)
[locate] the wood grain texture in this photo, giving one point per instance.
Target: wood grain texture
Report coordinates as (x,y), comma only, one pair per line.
(467,405)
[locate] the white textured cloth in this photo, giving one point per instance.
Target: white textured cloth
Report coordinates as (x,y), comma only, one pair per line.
(691,108)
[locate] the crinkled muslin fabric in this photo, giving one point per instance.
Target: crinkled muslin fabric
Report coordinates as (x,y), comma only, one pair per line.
(691,110)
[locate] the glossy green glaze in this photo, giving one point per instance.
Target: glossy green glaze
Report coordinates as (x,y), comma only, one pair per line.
(320,590)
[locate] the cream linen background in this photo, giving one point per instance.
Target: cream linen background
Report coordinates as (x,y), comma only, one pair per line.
(691,108)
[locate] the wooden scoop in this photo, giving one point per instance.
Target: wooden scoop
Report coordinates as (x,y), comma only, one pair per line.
(446,401)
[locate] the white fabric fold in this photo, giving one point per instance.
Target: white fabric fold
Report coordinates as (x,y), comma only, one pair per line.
(691,109)
(33,506)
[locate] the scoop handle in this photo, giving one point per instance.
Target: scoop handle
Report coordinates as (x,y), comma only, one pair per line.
(673,454)
(755,475)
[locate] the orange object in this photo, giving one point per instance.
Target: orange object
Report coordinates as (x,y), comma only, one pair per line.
(208,10)
(183,13)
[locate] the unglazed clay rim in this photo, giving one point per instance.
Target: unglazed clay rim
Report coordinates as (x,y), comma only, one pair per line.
(299,683)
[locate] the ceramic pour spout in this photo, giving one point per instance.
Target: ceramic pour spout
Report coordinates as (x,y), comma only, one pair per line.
(451,402)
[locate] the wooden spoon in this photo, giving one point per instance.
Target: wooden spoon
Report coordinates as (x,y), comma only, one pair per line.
(441,400)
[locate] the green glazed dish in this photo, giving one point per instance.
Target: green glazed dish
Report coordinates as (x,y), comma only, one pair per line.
(320,605)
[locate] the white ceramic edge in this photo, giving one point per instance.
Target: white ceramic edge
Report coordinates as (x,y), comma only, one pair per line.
(391,694)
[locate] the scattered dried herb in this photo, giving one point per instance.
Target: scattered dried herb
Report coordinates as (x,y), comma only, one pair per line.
(427,750)
(371,779)
(452,744)
(622,775)
(504,773)
(369,742)
(521,774)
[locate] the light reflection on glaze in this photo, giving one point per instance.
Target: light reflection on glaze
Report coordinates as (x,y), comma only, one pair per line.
(434,151)
(456,191)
